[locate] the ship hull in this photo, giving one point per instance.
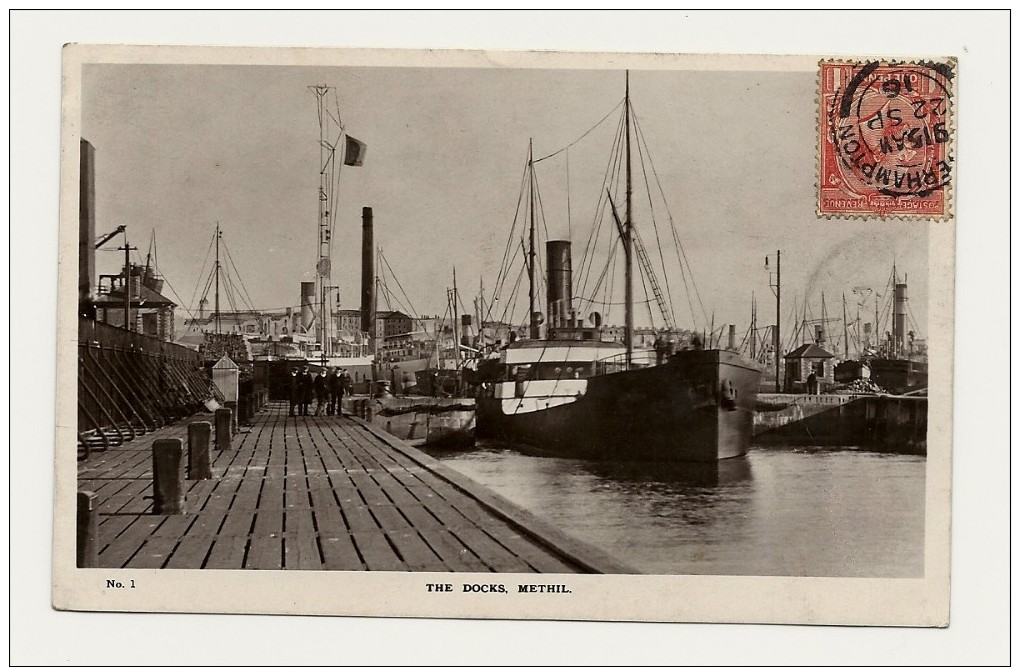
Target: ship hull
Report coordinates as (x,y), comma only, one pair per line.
(900,376)
(697,407)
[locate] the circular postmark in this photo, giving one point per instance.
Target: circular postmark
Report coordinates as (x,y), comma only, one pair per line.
(889,127)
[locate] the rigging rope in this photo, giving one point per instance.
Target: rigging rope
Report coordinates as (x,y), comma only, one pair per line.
(589,131)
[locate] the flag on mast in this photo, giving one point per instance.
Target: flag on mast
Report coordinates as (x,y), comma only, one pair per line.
(354,152)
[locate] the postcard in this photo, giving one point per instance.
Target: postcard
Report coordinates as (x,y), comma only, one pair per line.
(506,335)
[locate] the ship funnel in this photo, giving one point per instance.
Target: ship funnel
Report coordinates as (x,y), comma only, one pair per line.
(820,334)
(367,272)
(731,344)
(465,330)
(559,276)
(307,300)
(899,317)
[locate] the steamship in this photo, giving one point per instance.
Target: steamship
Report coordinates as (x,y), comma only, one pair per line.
(573,394)
(901,365)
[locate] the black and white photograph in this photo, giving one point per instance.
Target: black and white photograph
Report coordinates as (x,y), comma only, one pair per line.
(431,318)
(401,345)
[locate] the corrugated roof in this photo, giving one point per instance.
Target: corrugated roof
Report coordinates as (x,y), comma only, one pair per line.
(808,351)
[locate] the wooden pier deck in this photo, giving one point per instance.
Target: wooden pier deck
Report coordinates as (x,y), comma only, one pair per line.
(320,493)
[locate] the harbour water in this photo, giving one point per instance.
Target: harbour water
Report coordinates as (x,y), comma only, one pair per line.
(794,511)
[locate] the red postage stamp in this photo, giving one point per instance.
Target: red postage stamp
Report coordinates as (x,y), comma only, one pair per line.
(885,139)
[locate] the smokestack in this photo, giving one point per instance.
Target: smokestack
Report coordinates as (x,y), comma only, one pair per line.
(87,222)
(465,330)
(307,299)
(819,334)
(367,272)
(732,343)
(899,318)
(558,274)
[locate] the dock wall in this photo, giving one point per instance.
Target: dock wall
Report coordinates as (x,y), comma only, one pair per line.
(880,422)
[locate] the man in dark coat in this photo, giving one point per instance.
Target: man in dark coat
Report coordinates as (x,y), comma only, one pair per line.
(305,390)
(294,389)
(333,385)
(321,392)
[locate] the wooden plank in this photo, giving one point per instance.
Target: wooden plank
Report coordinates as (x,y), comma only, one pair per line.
(191,551)
(112,527)
(415,553)
(359,519)
(238,523)
(272,495)
(264,553)
(116,502)
(153,554)
(299,522)
(208,523)
(222,495)
(378,553)
(421,518)
(175,526)
(296,493)
(329,520)
(227,553)
(120,551)
(454,554)
(268,523)
(390,518)
(395,490)
(493,554)
(369,490)
(536,556)
(301,552)
(339,553)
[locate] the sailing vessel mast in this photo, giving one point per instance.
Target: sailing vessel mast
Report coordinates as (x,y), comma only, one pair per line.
(456,320)
(533,323)
(217,311)
(628,233)
(846,335)
(322,266)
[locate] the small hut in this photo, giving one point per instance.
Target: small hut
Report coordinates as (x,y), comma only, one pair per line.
(807,360)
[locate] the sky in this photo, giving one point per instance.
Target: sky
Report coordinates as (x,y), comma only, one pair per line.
(182,147)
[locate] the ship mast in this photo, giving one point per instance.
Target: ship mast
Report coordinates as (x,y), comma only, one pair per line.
(628,232)
(217,311)
(533,323)
(322,266)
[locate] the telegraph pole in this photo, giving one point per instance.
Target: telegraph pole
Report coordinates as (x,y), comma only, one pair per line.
(127,248)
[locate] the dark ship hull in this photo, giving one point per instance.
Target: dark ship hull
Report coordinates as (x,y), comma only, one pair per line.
(697,407)
(899,376)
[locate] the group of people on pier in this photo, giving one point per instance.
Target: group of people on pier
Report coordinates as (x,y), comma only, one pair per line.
(327,387)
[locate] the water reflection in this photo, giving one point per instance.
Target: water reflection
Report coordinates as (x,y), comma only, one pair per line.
(789,511)
(666,475)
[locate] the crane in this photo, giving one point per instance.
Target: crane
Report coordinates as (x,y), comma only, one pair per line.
(105,238)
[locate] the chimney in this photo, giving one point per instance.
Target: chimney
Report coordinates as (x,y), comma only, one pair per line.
(819,334)
(558,277)
(899,318)
(367,272)
(307,299)
(732,344)
(465,330)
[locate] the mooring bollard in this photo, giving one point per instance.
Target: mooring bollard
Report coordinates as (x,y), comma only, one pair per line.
(232,405)
(88,525)
(223,429)
(168,476)
(199,434)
